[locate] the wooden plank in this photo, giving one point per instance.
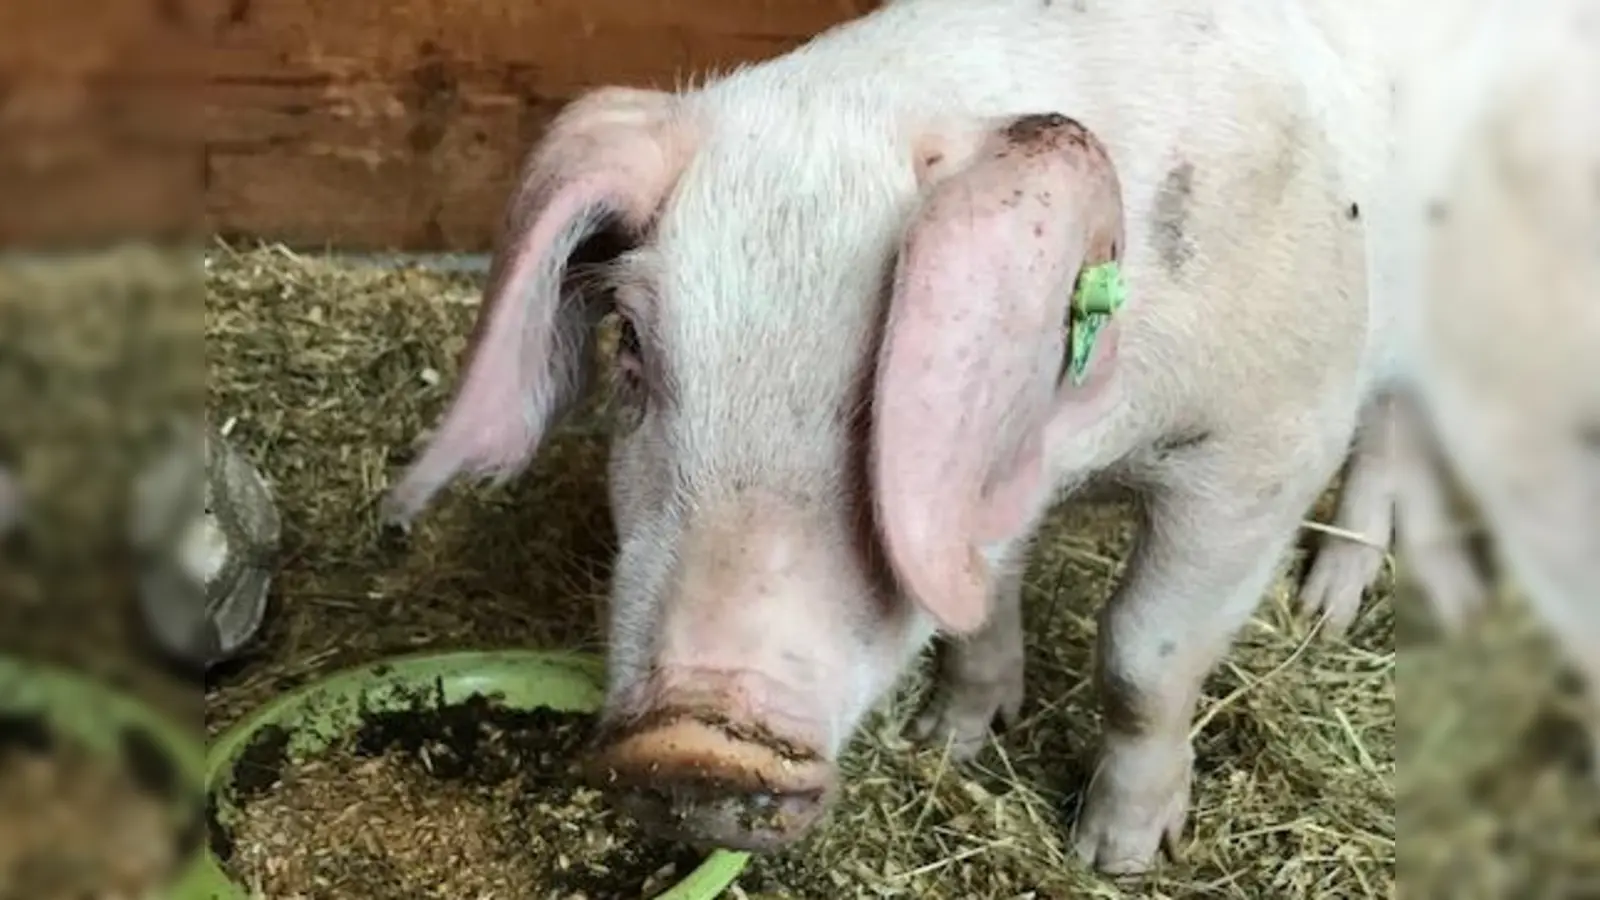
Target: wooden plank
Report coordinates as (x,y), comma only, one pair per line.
(397,181)
(356,124)
(85,196)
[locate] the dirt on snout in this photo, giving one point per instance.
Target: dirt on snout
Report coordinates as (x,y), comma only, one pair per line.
(76,826)
(466,802)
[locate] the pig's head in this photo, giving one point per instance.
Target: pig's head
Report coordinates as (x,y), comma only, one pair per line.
(843,344)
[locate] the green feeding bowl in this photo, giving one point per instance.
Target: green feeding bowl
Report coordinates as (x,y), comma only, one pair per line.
(39,701)
(316,715)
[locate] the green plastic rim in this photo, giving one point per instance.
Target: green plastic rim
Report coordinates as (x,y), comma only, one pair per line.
(319,713)
(98,716)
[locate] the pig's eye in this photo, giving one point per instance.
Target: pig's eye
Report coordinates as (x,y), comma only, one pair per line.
(628,381)
(630,355)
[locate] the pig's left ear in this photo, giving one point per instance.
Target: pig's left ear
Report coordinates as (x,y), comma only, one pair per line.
(589,191)
(972,354)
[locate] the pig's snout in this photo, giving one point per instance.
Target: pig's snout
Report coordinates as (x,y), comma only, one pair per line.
(700,779)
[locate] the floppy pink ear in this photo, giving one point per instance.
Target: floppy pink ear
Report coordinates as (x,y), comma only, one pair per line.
(603,169)
(972,353)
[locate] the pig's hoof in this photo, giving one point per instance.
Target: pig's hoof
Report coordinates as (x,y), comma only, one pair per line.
(1339,576)
(1136,809)
(962,712)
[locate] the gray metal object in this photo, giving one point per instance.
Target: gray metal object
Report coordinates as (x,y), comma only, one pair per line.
(208,532)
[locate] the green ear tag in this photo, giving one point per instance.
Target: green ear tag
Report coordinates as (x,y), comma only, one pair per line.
(1099,294)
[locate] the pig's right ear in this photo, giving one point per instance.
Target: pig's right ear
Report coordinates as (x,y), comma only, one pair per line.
(603,170)
(970,370)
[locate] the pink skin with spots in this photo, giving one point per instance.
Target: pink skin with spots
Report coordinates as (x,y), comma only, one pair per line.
(976,324)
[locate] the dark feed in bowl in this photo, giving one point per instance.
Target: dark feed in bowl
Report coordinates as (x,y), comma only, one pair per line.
(75,825)
(468,800)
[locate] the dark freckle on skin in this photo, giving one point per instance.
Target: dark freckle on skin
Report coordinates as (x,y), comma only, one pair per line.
(1354,212)
(1438,212)
(1167,649)
(1032,129)
(1171,217)
(1038,230)
(1045,132)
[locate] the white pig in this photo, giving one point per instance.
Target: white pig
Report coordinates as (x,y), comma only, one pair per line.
(1502,357)
(845,274)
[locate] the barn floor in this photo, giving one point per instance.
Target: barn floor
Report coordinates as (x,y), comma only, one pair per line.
(327,371)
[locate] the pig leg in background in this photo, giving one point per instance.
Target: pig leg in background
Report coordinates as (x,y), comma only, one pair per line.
(1345,567)
(1539,487)
(1431,551)
(1551,539)
(1214,531)
(980,678)
(1548,533)
(1393,492)
(1510,373)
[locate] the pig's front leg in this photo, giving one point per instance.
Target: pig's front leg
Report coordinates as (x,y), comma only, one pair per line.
(1215,528)
(980,678)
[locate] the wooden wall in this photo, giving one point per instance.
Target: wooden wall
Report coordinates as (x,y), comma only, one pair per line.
(357,124)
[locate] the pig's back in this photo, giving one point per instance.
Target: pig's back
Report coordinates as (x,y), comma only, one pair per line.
(1247,143)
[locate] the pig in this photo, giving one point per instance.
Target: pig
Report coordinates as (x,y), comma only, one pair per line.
(844,276)
(1502,351)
